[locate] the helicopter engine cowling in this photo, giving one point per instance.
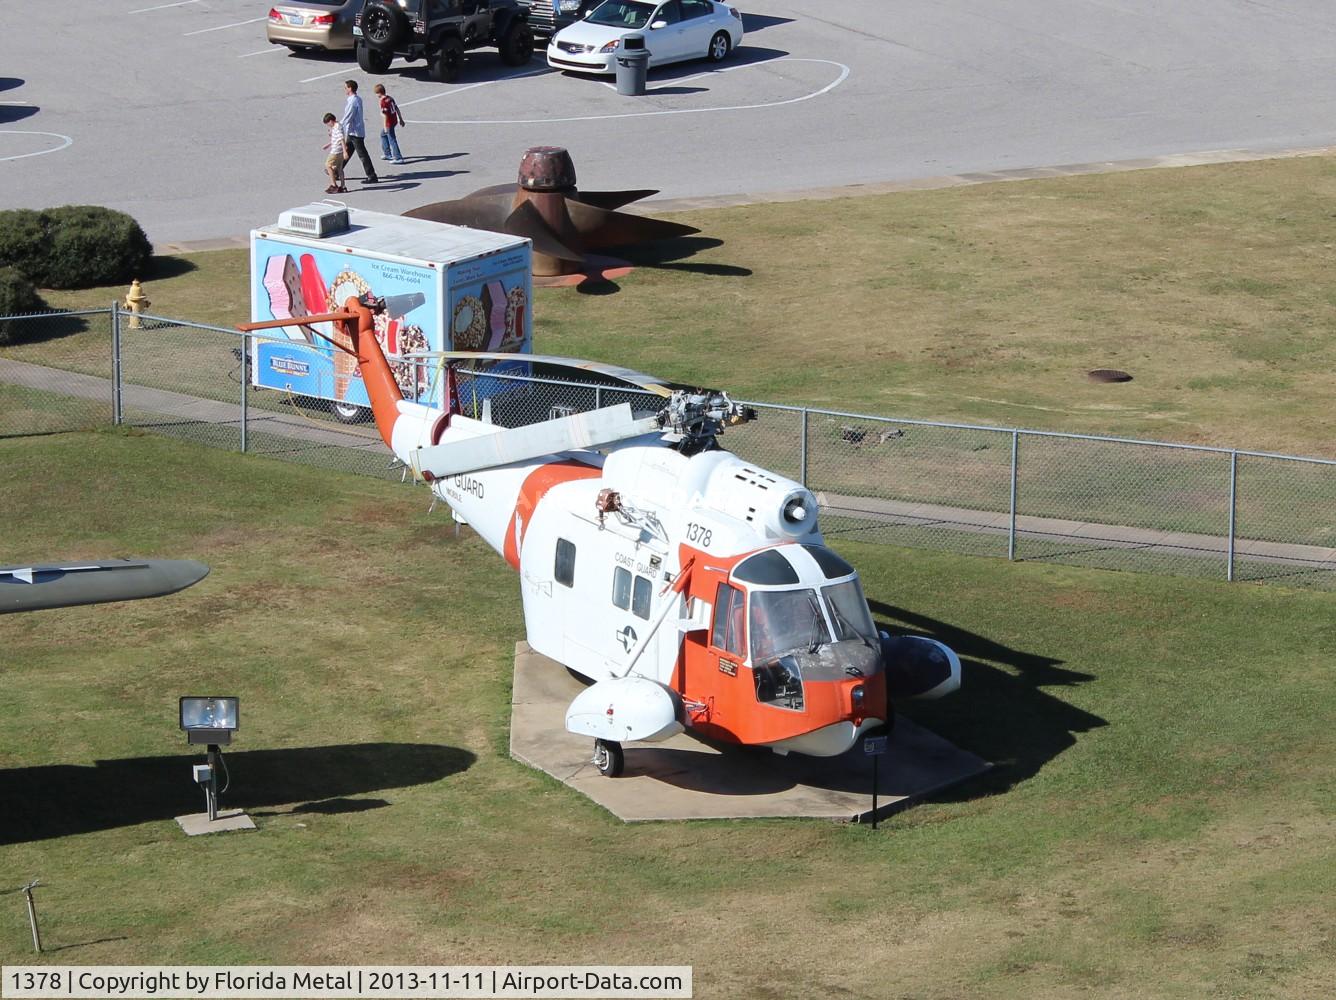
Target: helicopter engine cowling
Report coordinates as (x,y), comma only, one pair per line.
(626,708)
(779,507)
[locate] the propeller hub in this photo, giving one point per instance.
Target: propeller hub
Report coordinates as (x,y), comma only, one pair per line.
(547,168)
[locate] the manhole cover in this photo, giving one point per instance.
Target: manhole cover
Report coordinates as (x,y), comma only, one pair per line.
(1108,375)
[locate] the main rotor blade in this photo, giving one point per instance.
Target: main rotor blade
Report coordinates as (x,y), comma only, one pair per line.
(635,379)
(602,228)
(519,444)
(610,199)
(38,587)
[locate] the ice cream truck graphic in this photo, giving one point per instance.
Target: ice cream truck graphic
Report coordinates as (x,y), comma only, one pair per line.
(446,288)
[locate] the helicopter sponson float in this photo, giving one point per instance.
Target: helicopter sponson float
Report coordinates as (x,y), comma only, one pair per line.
(691,587)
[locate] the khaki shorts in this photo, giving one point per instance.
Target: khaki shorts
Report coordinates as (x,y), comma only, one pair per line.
(335,163)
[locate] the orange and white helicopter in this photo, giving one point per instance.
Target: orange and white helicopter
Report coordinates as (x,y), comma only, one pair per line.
(690,586)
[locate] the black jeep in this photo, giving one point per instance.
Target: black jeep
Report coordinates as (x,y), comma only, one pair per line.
(439,31)
(547,17)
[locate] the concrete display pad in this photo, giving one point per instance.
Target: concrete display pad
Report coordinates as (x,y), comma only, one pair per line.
(686,778)
(228,820)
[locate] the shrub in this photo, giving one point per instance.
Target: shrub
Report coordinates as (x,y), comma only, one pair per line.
(94,246)
(17,296)
(23,242)
(74,246)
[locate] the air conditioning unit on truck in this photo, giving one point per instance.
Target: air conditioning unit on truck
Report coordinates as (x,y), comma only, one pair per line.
(447,288)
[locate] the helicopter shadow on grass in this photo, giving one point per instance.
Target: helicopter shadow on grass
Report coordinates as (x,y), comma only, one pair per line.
(56,800)
(996,717)
(1001,711)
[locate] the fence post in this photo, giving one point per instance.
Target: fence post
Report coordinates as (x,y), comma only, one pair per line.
(116,414)
(802,450)
(1011,531)
(1233,511)
(245,388)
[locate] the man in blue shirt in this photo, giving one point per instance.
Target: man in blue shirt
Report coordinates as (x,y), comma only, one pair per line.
(354,130)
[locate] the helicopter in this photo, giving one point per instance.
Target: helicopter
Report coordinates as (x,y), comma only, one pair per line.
(691,588)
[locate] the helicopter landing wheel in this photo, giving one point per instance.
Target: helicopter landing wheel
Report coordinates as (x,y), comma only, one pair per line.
(609,758)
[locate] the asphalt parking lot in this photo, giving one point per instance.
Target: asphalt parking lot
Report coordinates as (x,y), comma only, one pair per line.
(180,112)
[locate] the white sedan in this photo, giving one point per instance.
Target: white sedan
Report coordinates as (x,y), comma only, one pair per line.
(673,30)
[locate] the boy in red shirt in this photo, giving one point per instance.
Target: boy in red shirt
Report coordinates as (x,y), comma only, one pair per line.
(390,119)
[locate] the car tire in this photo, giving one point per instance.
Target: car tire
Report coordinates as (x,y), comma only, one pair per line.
(382,25)
(373,60)
(448,60)
(516,45)
(720,46)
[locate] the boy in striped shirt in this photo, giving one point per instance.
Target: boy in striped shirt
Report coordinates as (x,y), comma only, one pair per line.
(334,162)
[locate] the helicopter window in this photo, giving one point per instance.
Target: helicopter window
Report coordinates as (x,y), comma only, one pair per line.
(831,564)
(768,568)
(728,619)
(784,620)
(848,611)
(631,593)
(621,588)
(640,597)
(565,568)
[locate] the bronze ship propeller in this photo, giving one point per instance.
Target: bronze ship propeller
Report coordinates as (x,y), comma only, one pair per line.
(544,205)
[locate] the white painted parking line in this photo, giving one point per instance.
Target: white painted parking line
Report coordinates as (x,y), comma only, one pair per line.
(326,76)
(260,52)
(843,75)
(444,93)
(220,27)
(40,152)
(459,90)
(163,6)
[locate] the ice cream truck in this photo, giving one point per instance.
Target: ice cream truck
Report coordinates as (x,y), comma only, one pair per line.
(446,288)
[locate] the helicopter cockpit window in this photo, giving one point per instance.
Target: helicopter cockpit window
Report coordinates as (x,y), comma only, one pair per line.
(728,618)
(768,568)
(848,611)
(565,565)
(832,565)
(784,620)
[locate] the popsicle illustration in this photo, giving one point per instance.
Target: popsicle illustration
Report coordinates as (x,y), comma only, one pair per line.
(315,292)
(494,308)
(283,283)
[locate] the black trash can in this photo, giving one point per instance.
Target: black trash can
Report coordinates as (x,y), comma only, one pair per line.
(632,66)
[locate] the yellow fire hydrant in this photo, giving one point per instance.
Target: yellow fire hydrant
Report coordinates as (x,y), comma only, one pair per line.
(136,301)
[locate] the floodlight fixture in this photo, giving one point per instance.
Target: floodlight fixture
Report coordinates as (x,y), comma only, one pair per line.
(210,718)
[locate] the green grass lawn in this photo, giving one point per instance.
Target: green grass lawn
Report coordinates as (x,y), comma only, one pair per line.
(1160,823)
(986,304)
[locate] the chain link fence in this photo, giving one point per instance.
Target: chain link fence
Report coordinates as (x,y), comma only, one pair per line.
(1040,496)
